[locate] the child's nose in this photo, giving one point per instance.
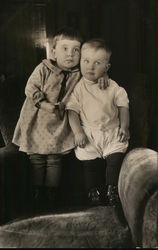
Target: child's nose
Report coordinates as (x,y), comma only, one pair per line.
(70,52)
(91,66)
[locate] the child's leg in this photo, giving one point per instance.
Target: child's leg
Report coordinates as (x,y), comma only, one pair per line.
(38,167)
(93,180)
(93,173)
(113,166)
(53,170)
(52,179)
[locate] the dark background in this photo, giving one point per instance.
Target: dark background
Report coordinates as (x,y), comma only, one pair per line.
(129,26)
(131,29)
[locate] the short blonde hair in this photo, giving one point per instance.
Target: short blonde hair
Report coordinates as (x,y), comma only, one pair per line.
(97,43)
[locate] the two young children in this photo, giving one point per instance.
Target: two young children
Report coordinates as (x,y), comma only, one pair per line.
(43,130)
(98,117)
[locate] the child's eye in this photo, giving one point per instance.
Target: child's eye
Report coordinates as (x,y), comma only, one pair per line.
(77,50)
(86,61)
(97,63)
(65,48)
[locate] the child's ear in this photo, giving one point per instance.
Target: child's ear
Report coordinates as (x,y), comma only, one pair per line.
(53,53)
(107,67)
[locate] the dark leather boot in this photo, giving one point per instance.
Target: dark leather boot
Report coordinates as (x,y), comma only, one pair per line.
(50,198)
(94,197)
(38,199)
(112,196)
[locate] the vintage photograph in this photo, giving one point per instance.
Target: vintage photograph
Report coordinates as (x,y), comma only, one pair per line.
(78,124)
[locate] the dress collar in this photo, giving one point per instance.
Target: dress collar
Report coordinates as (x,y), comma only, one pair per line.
(51,64)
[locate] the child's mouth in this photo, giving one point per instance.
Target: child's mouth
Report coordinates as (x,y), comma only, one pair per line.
(69,61)
(90,73)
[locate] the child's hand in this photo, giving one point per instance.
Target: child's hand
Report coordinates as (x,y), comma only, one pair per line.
(49,107)
(103,82)
(60,110)
(81,139)
(123,134)
(60,106)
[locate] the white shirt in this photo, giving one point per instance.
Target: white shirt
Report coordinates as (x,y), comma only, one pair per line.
(98,108)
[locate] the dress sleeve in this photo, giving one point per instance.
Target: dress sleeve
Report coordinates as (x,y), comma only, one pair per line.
(121,98)
(74,101)
(33,88)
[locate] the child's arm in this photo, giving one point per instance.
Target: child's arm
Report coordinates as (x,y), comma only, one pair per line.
(124,134)
(47,106)
(80,136)
(33,90)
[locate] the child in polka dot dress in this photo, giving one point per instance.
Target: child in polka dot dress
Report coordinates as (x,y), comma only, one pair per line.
(43,130)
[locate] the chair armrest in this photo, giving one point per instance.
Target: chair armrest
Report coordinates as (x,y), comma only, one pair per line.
(138,189)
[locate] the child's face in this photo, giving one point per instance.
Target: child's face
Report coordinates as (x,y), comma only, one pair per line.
(94,63)
(67,53)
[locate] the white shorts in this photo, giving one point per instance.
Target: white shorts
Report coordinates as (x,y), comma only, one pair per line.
(101,144)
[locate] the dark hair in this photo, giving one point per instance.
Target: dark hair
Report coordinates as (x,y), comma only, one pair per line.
(67,32)
(97,43)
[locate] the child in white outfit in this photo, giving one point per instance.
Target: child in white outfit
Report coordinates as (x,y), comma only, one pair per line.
(99,121)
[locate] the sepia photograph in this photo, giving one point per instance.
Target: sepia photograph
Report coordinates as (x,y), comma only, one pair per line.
(79,124)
